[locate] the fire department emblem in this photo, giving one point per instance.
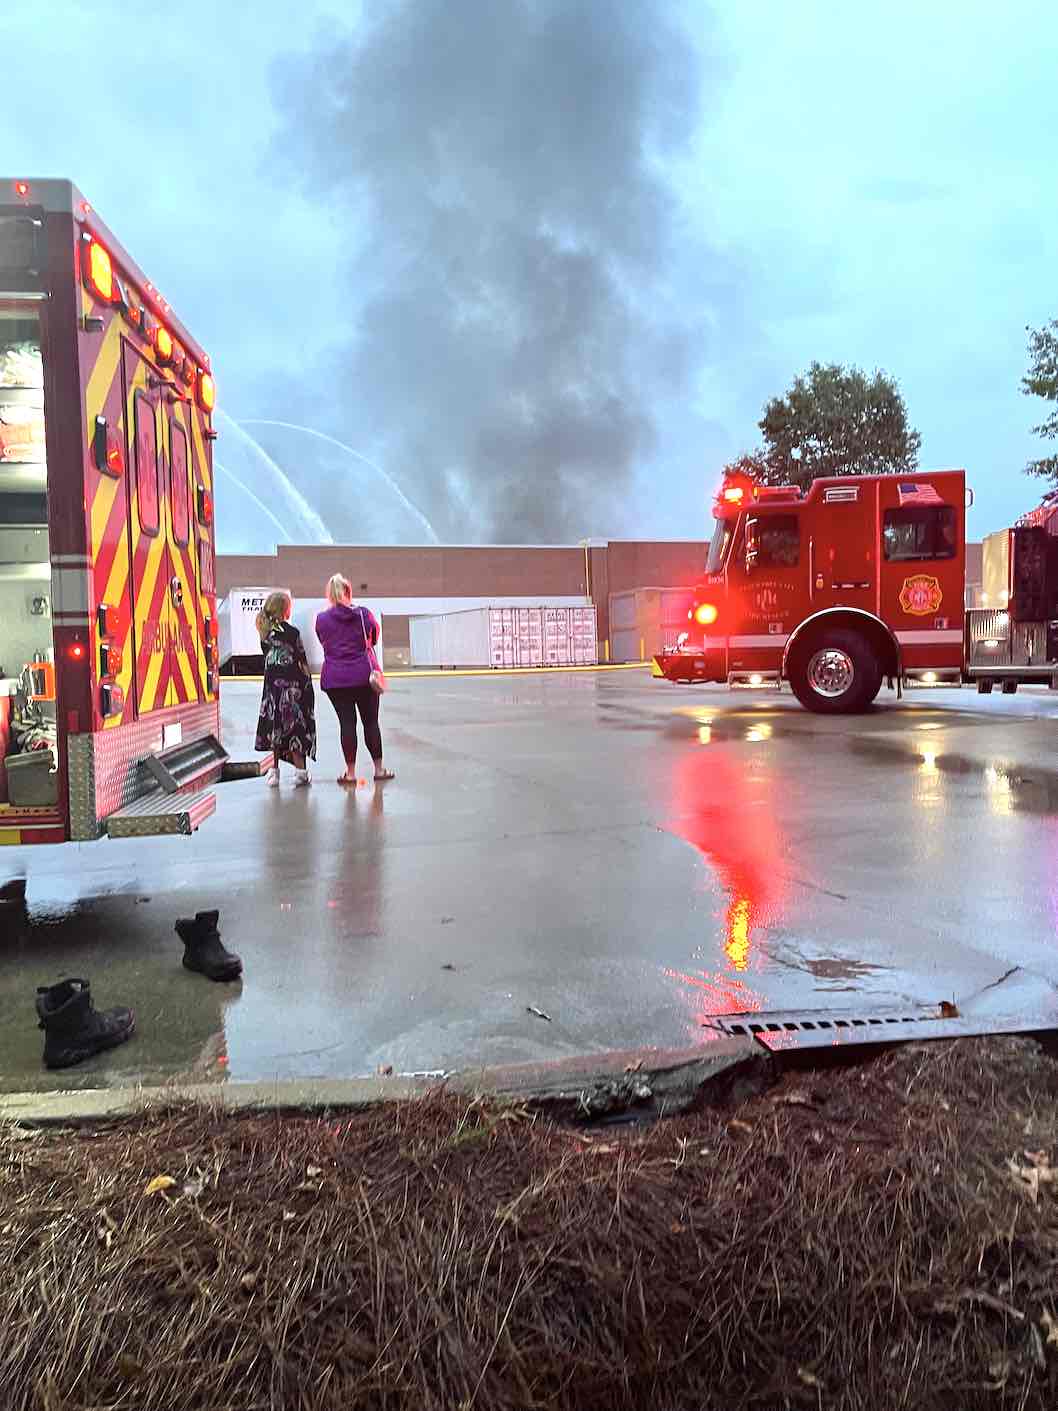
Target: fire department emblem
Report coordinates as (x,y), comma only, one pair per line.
(921,595)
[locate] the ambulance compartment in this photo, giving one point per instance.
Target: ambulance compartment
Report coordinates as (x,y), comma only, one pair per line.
(28,747)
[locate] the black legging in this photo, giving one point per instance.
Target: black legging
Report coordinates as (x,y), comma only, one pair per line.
(347,700)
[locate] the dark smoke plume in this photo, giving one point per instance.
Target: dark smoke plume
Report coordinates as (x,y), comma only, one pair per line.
(499,165)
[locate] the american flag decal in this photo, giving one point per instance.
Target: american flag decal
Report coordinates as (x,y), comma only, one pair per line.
(911,493)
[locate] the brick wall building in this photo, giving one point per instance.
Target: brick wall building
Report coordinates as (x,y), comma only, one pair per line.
(477,571)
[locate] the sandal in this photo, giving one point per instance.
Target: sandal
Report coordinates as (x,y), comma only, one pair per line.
(386,774)
(345,783)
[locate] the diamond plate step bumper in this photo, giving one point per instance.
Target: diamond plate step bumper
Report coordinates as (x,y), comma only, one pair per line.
(245,768)
(159,813)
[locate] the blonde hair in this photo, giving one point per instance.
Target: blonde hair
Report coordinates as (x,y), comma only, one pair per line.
(276,610)
(339,589)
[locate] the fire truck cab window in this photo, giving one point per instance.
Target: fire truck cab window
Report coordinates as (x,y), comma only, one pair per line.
(146,465)
(773,541)
(922,532)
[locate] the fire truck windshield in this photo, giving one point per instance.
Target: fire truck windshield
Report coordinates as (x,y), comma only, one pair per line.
(719,546)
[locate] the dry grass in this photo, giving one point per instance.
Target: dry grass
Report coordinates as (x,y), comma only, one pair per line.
(853,1239)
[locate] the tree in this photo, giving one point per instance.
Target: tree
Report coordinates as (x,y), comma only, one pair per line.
(836,421)
(1042,381)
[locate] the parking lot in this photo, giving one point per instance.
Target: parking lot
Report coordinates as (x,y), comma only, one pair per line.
(624,856)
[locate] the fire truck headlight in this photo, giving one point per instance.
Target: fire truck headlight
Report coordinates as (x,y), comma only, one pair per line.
(706,614)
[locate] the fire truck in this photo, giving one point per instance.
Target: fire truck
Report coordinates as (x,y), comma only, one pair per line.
(862,580)
(109,677)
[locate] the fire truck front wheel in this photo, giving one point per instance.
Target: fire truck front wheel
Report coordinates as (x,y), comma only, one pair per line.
(836,673)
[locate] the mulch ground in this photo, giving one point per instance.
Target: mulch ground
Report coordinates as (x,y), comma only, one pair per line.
(881,1236)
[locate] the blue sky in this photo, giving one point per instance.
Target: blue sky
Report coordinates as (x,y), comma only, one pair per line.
(870,184)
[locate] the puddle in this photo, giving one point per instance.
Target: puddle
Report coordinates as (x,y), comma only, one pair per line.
(839,968)
(1009,787)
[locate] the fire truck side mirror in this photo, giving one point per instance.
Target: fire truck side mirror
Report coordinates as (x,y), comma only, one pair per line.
(752,546)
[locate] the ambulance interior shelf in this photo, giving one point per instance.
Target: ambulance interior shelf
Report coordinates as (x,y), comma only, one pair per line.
(27,692)
(28,741)
(22,457)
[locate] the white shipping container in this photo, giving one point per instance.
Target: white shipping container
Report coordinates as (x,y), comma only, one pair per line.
(505,638)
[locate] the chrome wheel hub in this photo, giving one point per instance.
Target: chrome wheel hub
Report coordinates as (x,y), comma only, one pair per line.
(831,672)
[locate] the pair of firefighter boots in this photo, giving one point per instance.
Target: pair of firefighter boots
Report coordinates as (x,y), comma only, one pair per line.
(204,951)
(73,1028)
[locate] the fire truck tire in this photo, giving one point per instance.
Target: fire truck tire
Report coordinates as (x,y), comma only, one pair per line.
(836,673)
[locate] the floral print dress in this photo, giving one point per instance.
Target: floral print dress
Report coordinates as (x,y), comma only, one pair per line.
(287,723)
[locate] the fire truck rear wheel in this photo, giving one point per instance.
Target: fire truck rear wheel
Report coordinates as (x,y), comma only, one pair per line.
(836,673)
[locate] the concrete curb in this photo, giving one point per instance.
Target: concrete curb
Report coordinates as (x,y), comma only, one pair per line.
(592,1085)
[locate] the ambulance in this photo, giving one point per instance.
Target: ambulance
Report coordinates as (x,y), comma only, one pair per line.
(109,671)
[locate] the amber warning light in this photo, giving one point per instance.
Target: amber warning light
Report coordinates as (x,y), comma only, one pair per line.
(99,272)
(207,392)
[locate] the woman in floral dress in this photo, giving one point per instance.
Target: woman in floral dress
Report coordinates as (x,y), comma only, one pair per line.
(287,723)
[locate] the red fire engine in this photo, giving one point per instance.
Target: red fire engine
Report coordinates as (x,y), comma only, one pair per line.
(109,705)
(858,581)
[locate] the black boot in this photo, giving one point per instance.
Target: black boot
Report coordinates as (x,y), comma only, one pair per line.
(204,950)
(13,893)
(73,1029)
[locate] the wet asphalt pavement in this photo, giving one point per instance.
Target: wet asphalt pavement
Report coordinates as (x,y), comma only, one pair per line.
(627,856)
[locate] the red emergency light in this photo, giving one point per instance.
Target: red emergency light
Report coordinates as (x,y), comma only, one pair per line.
(733,494)
(109,621)
(98,270)
(207,392)
(205,506)
(21,188)
(706,614)
(107,450)
(111,700)
(76,651)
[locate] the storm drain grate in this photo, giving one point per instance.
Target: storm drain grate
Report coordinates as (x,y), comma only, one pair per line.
(824,1029)
(740,1025)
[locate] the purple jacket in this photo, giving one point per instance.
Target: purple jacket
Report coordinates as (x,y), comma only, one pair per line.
(346,660)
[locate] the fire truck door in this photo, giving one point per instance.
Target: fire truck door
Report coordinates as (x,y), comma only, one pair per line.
(152,612)
(187,659)
(843,552)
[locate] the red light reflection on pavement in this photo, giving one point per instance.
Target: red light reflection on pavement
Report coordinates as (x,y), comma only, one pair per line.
(717,993)
(723,808)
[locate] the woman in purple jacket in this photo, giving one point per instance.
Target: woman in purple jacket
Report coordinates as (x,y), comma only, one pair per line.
(348,636)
